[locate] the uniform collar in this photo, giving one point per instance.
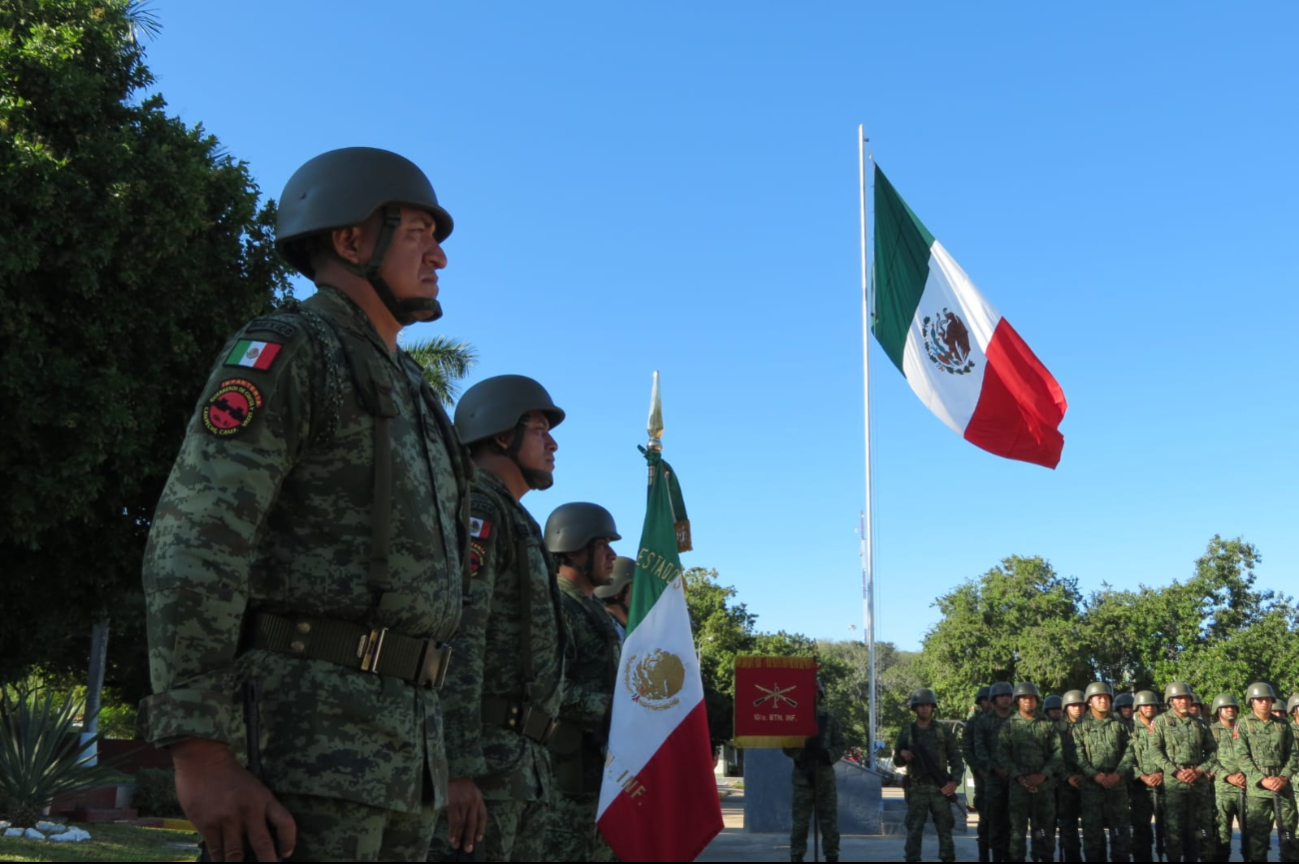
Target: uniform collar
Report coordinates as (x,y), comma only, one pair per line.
(344,311)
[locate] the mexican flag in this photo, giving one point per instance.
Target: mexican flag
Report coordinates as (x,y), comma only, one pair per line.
(658,800)
(958,354)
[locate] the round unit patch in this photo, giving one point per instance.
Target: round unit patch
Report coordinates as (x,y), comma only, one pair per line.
(231,408)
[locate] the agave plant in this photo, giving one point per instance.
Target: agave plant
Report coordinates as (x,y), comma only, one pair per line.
(42,755)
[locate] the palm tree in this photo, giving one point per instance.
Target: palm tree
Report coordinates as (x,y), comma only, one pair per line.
(444,361)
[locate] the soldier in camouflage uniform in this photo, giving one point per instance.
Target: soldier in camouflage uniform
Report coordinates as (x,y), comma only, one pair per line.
(306,554)
(815,788)
(1125,709)
(1105,762)
(1068,797)
(616,596)
(578,535)
(982,705)
(926,794)
(1028,750)
(502,697)
(997,779)
(1148,776)
(1267,753)
(1187,751)
(1228,780)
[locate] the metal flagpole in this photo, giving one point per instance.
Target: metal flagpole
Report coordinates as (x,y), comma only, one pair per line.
(867,526)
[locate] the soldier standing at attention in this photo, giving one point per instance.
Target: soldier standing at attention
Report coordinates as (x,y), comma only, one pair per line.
(1105,761)
(982,705)
(1267,754)
(306,554)
(1227,777)
(997,780)
(1149,775)
(502,697)
(616,596)
(1068,796)
(815,787)
(578,535)
(927,794)
(1028,750)
(1186,750)
(1053,709)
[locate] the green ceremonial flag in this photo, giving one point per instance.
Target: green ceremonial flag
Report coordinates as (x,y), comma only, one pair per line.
(666,533)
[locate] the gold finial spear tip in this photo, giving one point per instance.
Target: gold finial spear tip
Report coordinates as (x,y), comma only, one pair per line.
(655,425)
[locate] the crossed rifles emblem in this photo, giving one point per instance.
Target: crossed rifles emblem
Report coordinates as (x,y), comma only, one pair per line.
(776,695)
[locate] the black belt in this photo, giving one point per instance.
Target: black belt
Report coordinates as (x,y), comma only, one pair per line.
(422,662)
(524,718)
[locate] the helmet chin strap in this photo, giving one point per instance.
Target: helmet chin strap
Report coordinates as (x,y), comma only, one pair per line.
(404,311)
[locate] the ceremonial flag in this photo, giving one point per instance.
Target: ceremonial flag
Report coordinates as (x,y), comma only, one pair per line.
(958,354)
(658,799)
(775,701)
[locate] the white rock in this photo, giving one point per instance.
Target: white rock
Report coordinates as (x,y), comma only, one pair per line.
(13,832)
(33,834)
(72,835)
(51,827)
(3,824)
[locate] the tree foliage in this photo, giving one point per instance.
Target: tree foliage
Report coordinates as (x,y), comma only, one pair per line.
(134,247)
(445,361)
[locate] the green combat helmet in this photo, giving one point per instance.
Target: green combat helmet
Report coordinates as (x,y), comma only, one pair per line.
(922,696)
(1260,690)
(1098,688)
(1292,704)
(1052,703)
(1001,688)
(1025,689)
(345,187)
(493,406)
(624,569)
(982,694)
(1146,697)
(572,527)
(1124,700)
(1223,700)
(1074,697)
(1177,688)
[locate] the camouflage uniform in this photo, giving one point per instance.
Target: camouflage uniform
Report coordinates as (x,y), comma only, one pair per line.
(996,790)
(1068,797)
(504,690)
(1141,797)
(1102,747)
(1027,747)
(923,793)
(1266,749)
(815,788)
(592,670)
(271,555)
(1226,796)
(1186,742)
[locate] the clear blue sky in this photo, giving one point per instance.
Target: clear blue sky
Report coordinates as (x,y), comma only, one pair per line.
(674,186)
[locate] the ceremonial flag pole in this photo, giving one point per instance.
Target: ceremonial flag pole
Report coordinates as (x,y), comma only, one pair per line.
(658,798)
(867,524)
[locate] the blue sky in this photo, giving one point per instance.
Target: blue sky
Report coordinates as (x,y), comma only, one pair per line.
(674,187)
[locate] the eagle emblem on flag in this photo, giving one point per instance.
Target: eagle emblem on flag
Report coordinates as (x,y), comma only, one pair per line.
(947,342)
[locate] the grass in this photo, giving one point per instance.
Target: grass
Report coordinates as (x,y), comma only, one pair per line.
(107,843)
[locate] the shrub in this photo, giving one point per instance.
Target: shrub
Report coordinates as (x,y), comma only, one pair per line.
(155,793)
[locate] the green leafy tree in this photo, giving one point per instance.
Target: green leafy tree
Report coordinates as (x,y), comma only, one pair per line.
(445,362)
(134,247)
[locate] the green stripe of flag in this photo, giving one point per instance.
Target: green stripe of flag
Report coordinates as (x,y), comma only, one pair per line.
(901,268)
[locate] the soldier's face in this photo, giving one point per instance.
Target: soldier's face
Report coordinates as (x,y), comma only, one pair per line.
(1227,712)
(924,712)
(414,258)
(1027,705)
(1148,711)
(537,452)
(1074,711)
(1262,707)
(602,561)
(1054,714)
(1002,702)
(1100,704)
(1181,705)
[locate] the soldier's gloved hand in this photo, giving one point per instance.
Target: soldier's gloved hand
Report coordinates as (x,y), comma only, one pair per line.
(227,804)
(1237,779)
(466,813)
(948,789)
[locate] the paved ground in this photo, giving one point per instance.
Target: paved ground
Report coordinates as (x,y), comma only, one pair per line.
(735,844)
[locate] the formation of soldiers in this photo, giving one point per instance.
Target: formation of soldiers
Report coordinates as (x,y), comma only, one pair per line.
(1142,776)
(363,647)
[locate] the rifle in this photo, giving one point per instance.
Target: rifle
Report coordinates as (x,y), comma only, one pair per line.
(1157,799)
(926,760)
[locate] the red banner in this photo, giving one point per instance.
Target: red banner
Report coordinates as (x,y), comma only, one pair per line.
(775,701)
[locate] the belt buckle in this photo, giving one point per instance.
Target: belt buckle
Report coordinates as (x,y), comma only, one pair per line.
(370,649)
(434,652)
